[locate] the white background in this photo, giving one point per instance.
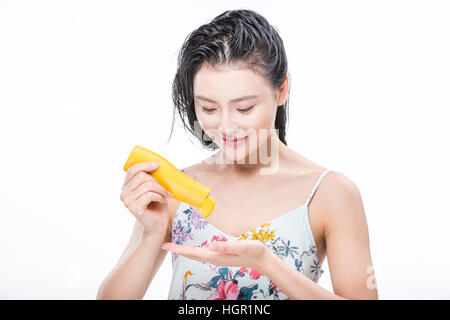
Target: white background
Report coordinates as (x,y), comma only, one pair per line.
(82,82)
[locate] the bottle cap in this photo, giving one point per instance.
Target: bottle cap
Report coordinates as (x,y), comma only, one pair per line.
(207,206)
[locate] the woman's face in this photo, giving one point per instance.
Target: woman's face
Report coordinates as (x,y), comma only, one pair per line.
(236,103)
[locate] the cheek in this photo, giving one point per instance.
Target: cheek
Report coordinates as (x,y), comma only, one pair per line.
(262,120)
(209,125)
(263,123)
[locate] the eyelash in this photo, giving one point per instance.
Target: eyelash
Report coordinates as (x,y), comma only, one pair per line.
(246,110)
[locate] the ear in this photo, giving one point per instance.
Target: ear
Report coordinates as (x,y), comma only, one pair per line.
(284,92)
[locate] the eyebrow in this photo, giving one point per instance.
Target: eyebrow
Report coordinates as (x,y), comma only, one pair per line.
(199,97)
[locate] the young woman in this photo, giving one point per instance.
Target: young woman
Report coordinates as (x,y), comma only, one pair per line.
(275,218)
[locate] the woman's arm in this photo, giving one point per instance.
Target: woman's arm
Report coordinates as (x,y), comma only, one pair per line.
(133,273)
(138,264)
(348,250)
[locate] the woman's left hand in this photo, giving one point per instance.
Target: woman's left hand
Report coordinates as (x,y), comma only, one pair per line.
(238,253)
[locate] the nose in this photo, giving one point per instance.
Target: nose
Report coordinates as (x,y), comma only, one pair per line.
(228,127)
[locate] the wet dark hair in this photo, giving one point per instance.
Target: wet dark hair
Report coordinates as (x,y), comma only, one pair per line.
(241,37)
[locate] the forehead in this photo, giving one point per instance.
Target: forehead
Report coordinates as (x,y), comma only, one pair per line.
(228,81)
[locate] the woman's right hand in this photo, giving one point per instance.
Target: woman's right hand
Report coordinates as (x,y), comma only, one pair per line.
(145,198)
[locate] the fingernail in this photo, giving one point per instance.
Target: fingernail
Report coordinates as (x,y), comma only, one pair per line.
(170,195)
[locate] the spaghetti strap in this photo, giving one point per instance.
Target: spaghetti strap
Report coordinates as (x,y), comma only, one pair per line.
(315,186)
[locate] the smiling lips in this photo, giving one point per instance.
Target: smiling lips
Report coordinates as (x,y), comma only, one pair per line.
(233,142)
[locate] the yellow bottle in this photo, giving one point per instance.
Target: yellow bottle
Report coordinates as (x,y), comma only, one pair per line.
(183,187)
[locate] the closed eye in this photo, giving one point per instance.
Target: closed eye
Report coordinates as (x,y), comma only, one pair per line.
(246,110)
(207,110)
(241,110)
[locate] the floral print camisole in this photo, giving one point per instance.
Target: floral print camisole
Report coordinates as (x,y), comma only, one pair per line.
(289,236)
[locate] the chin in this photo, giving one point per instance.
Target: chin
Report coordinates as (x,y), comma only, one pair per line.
(240,156)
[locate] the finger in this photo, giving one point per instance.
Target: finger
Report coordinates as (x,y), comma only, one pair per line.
(188,250)
(137,180)
(149,197)
(191,252)
(231,247)
(139,167)
(143,200)
(203,254)
(215,258)
(150,186)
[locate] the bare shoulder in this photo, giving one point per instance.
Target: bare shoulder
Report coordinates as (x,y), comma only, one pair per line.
(347,237)
(337,184)
(341,201)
